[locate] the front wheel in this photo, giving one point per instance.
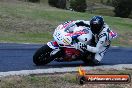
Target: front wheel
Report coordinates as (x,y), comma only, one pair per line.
(42,55)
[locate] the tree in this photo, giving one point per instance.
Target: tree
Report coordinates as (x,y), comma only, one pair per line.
(34,0)
(58,3)
(109,2)
(78,5)
(123,8)
(61,4)
(53,2)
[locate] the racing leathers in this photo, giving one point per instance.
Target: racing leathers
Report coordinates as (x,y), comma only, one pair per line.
(102,40)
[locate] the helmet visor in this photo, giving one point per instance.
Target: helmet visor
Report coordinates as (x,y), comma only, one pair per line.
(95,28)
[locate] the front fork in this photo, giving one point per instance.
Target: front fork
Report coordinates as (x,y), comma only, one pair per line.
(53,45)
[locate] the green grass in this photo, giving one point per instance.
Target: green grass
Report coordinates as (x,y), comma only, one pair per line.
(34,23)
(104,12)
(26,37)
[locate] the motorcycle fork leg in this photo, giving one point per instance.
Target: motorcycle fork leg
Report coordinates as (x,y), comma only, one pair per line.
(58,54)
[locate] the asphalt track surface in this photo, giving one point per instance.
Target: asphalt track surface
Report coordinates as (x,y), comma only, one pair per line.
(15,57)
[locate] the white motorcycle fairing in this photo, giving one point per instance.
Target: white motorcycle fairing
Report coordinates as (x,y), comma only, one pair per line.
(64,36)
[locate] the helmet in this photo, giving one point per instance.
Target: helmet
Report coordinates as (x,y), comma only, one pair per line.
(96,24)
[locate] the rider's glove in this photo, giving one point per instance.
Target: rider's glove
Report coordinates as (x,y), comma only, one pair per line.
(82,45)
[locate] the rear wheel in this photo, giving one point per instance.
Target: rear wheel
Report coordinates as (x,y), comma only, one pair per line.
(87,58)
(42,55)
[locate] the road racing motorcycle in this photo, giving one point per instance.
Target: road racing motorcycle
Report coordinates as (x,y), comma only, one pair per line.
(64,45)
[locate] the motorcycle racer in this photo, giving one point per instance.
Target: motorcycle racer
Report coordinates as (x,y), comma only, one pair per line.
(101,40)
(102,36)
(75,40)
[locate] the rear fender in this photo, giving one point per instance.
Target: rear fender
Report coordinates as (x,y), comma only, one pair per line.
(53,45)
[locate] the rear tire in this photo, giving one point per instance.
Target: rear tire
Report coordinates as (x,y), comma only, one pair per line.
(87,58)
(42,56)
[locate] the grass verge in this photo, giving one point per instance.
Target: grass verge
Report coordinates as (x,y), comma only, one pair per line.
(66,80)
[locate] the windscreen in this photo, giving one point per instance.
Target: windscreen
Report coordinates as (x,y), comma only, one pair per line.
(70,28)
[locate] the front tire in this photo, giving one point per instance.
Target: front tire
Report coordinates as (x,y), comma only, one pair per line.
(42,56)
